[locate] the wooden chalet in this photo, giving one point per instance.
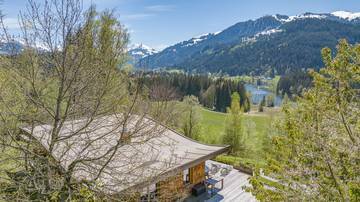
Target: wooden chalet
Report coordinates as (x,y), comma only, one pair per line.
(153,162)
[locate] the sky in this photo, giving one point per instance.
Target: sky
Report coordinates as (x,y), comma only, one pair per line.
(160,23)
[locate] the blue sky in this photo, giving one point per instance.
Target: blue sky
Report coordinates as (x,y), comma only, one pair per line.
(159,23)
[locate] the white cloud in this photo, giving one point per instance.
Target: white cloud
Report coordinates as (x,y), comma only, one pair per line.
(160,8)
(150,11)
(108,2)
(11,23)
(136,16)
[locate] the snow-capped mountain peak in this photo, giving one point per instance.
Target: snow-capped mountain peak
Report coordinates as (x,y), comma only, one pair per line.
(343,15)
(139,51)
(346,15)
(143,48)
(16,45)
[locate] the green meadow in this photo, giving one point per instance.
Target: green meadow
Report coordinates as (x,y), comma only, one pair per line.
(256,130)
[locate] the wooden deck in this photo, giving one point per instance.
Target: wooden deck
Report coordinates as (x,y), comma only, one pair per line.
(233,184)
(232,191)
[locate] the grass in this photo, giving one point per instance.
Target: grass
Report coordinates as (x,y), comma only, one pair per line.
(240,161)
(213,126)
(271,183)
(255,129)
(8,162)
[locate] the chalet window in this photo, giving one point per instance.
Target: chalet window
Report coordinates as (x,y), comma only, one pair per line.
(187,176)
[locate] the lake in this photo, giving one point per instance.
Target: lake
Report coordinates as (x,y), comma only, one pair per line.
(257,94)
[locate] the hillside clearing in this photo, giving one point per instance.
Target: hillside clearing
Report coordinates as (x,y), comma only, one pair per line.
(256,129)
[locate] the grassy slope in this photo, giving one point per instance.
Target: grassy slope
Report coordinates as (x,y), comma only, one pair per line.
(213,127)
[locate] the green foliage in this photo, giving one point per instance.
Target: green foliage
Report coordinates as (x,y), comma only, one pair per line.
(191,126)
(262,105)
(213,130)
(240,161)
(286,99)
(293,83)
(233,131)
(316,154)
(208,97)
(213,93)
(270,101)
(80,77)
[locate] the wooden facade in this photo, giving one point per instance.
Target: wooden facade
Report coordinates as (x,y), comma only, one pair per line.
(171,188)
(197,173)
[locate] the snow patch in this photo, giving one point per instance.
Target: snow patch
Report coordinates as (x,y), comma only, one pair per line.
(196,40)
(346,15)
(263,33)
(202,35)
(138,53)
(299,17)
(218,32)
(268,32)
(142,47)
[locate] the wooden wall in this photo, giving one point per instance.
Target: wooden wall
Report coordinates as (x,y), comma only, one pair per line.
(197,173)
(171,188)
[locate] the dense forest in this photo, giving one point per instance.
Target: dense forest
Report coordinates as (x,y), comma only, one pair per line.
(213,93)
(293,83)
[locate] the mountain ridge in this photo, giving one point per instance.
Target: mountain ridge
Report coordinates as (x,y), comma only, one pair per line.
(194,54)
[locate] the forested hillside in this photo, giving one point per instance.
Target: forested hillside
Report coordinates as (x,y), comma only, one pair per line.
(271,44)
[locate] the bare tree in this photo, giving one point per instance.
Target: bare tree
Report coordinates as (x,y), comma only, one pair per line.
(164,99)
(65,84)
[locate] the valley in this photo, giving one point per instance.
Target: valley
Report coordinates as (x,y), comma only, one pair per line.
(267,109)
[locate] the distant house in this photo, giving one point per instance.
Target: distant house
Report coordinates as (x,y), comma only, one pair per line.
(151,158)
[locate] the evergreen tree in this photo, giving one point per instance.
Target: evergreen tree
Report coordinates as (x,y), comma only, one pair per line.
(244,97)
(247,103)
(233,131)
(270,100)
(316,154)
(213,92)
(262,104)
(227,96)
(208,97)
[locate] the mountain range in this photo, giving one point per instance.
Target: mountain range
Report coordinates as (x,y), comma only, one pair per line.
(270,44)
(10,47)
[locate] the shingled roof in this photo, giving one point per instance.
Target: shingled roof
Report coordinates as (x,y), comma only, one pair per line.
(154,151)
